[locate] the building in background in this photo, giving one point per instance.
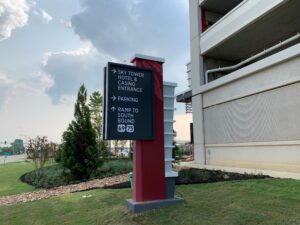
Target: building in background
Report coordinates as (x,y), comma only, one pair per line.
(15,148)
(245,83)
(18,147)
(120,148)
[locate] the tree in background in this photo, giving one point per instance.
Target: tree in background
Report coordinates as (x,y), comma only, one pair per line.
(95,105)
(40,151)
(79,152)
(53,152)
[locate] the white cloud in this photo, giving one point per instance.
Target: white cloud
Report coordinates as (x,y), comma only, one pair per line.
(122,28)
(32,114)
(26,109)
(13,14)
(36,84)
(46,17)
(69,69)
(5,89)
(116,30)
(66,23)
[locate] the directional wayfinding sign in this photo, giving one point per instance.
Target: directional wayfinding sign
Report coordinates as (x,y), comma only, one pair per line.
(128,103)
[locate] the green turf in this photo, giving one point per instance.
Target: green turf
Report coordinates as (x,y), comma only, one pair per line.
(271,201)
(9,178)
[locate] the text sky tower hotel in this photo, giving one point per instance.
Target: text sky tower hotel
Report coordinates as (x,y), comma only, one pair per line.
(245,85)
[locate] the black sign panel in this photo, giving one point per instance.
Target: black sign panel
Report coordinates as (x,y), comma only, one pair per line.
(128,103)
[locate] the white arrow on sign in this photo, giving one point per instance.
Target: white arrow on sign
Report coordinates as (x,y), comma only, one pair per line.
(113,98)
(114,71)
(113,108)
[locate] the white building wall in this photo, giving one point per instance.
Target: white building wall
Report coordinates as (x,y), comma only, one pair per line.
(245,13)
(197,81)
(252,116)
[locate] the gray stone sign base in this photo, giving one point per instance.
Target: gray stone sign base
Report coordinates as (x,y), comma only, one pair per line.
(137,207)
(170,187)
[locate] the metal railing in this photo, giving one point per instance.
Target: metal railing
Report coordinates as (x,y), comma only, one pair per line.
(266,51)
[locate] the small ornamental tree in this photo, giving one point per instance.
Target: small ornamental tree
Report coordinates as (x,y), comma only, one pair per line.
(79,151)
(40,151)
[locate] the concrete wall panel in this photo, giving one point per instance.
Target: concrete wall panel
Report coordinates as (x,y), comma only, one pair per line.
(267,116)
(266,157)
(269,77)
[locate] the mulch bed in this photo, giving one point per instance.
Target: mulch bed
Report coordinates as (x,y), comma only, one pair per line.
(107,182)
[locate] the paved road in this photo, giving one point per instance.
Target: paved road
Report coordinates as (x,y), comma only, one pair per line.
(13,158)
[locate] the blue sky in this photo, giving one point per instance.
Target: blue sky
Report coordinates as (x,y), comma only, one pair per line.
(48,48)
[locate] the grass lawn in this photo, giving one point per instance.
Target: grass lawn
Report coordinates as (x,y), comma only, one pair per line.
(9,178)
(271,201)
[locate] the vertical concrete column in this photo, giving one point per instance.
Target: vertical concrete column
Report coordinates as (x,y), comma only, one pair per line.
(197,80)
(148,156)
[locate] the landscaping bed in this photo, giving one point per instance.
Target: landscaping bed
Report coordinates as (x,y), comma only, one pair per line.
(198,176)
(66,189)
(54,176)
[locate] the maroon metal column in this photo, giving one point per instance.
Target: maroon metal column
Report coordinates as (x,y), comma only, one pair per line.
(148,156)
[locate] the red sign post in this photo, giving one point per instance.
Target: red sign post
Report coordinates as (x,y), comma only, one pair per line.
(150,184)
(148,156)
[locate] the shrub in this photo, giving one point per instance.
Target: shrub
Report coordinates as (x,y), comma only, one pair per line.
(79,152)
(196,176)
(114,167)
(51,176)
(56,175)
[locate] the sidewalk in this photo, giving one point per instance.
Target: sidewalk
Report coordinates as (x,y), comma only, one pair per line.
(272,173)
